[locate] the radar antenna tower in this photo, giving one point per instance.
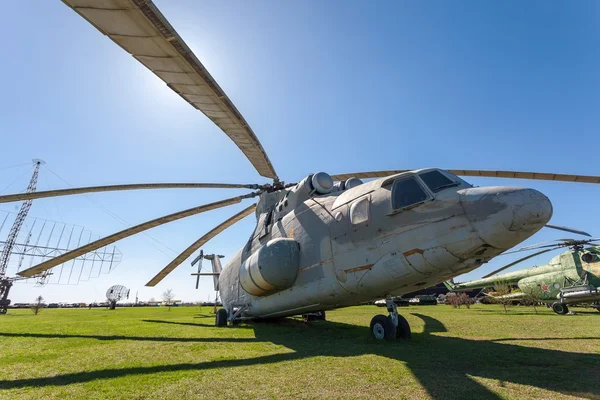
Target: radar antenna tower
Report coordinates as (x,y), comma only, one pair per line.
(5,282)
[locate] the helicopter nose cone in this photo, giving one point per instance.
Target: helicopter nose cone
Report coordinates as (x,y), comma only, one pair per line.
(505,216)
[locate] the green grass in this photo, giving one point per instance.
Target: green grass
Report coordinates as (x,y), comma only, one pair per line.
(151,353)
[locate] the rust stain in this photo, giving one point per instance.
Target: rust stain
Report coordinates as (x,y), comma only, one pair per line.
(458,227)
(413,251)
(349,271)
(302,269)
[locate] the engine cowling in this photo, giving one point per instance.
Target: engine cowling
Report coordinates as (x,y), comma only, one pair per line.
(273,267)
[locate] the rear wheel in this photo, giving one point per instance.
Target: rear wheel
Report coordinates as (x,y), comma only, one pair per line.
(221,317)
(382,327)
(560,308)
(403,328)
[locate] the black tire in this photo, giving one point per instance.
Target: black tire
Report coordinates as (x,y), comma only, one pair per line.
(316,316)
(3,311)
(221,317)
(560,308)
(383,328)
(403,328)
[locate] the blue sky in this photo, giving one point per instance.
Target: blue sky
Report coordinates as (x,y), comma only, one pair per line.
(331,86)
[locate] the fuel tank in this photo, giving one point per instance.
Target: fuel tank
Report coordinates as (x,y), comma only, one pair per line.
(271,268)
(580,294)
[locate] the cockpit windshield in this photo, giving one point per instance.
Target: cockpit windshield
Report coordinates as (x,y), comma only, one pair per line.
(436,181)
(407,192)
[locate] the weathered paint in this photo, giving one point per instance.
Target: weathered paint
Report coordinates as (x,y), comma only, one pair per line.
(545,281)
(342,263)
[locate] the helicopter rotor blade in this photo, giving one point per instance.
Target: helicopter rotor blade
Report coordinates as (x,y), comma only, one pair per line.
(139,28)
(538,245)
(564,243)
(53,262)
(543,245)
(111,188)
(567,229)
(199,243)
(516,262)
(480,173)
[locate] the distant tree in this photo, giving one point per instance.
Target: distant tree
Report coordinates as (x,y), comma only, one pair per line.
(500,294)
(530,299)
(38,305)
(152,300)
(168,296)
(456,300)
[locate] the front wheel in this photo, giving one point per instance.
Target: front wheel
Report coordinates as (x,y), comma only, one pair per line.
(382,327)
(560,308)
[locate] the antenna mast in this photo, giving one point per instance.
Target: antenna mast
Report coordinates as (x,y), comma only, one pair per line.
(11,240)
(16,227)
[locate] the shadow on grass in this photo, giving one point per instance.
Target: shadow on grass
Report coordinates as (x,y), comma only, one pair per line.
(445,366)
(157,321)
(120,337)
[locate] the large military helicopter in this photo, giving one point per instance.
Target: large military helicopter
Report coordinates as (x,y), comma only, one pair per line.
(572,277)
(330,240)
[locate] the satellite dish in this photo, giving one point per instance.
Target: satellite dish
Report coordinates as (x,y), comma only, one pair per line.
(116,293)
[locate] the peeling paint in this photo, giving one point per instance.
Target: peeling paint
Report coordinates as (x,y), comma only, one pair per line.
(364,267)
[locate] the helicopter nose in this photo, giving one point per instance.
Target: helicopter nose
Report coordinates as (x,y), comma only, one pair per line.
(505,216)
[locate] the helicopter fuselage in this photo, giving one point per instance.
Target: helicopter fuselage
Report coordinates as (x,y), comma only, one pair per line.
(390,236)
(544,282)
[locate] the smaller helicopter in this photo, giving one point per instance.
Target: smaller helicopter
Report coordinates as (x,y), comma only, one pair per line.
(572,277)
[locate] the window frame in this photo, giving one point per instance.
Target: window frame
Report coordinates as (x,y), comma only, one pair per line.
(424,188)
(454,182)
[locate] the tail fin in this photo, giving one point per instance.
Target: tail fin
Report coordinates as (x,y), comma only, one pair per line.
(215,261)
(450,285)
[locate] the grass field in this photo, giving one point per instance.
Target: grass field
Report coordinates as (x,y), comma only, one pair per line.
(151,353)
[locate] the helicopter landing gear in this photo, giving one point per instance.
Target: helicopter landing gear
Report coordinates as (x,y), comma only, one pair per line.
(316,316)
(560,308)
(394,326)
(221,317)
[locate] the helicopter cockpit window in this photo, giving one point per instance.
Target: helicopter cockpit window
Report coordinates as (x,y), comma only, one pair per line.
(407,192)
(436,181)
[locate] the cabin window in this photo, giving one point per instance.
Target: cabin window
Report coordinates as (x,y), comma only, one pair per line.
(588,257)
(407,192)
(436,181)
(359,211)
